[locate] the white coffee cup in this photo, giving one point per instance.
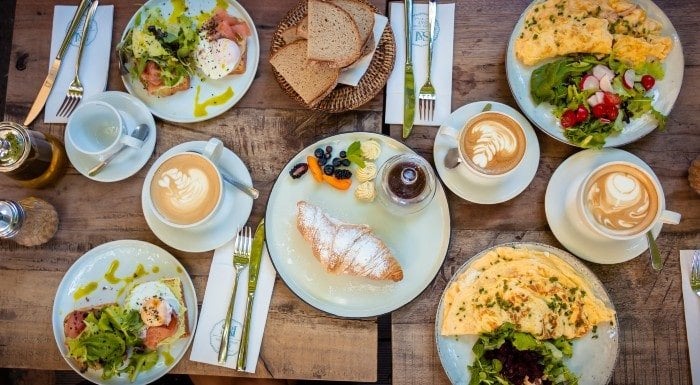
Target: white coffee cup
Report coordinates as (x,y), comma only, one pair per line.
(186,188)
(621,200)
(97,129)
(491,144)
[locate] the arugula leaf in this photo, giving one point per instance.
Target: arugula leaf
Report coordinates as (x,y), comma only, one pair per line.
(549,83)
(354,154)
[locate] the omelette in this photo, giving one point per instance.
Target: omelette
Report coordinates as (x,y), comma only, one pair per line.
(619,27)
(534,290)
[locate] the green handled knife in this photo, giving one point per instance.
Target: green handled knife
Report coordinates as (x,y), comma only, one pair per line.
(253,270)
(409,95)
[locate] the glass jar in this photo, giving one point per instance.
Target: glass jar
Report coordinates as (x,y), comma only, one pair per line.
(405,184)
(29,222)
(30,157)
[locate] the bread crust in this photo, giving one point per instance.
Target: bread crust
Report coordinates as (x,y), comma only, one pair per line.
(353,54)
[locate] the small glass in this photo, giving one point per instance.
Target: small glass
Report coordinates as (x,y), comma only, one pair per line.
(406,184)
(30,157)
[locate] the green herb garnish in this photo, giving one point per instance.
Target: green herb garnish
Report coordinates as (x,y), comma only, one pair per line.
(354,154)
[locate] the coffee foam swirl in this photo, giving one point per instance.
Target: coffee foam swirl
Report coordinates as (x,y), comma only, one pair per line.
(493,144)
(620,201)
(186,189)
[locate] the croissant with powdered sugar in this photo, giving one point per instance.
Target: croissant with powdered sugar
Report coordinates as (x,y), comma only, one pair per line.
(345,248)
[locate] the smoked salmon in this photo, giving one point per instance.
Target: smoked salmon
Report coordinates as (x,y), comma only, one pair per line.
(152,80)
(154,335)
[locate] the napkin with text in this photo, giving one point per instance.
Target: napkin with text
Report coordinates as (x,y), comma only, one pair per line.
(95,63)
(207,338)
(441,75)
(691,303)
(352,74)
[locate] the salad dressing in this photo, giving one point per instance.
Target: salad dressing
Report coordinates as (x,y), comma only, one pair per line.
(179,7)
(167,358)
(84,290)
(200,109)
(222,4)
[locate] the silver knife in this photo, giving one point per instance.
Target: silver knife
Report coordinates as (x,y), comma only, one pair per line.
(253,270)
(409,96)
(45,89)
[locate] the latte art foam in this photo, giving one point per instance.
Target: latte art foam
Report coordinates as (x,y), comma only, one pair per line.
(493,143)
(621,200)
(185,189)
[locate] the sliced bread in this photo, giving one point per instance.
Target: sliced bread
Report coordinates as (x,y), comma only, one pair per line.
(303,28)
(361,13)
(312,81)
(334,37)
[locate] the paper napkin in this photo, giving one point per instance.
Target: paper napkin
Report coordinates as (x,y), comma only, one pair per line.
(691,303)
(442,61)
(207,338)
(95,63)
(352,74)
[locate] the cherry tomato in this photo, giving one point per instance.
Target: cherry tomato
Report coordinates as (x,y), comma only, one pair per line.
(610,98)
(568,119)
(611,111)
(581,114)
(648,82)
(598,110)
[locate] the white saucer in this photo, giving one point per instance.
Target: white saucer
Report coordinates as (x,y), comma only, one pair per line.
(568,228)
(476,188)
(129,161)
(233,212)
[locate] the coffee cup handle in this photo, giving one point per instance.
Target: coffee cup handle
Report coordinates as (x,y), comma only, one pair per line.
(213,149)
(450,132)
(670,217)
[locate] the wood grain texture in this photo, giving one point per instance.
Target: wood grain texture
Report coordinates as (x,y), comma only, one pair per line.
(653,344)
(265,130)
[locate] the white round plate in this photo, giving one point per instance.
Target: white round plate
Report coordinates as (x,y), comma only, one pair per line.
(180,106)
(566,224)
(91,267)
(418,241)
(129,161)
(476,188)
(665,92)
(233,212)
(593,359)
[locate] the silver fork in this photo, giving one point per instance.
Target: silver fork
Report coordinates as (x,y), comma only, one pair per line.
(241,259)
(75,90)
(426,95)
(695,273)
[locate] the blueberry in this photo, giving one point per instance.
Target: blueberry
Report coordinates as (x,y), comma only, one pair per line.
(343,154)
(328,170)
(346,162)
(318,152)
(322,161)
(336,162)
(329,149)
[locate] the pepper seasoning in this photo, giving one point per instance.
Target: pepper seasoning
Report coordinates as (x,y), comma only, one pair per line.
(29,222)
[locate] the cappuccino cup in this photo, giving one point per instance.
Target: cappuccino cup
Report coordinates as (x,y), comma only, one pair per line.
(186,188)
(97,129)
(621,200)
(491,144)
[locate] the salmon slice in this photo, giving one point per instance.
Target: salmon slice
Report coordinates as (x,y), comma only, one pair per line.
(229,27)
(154,335)
(74,324)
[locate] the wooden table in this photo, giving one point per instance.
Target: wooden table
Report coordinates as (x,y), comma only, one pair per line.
(653,344)
(267,128)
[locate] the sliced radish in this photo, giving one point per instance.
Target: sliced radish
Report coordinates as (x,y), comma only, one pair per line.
(606,84)
(593,100)
(590,82)
(628,78)
(600,71)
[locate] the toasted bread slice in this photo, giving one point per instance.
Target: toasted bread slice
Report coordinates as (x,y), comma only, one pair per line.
(183,327)
(312,81)
(303,28)
(361,13)
(333,35)
(164,90)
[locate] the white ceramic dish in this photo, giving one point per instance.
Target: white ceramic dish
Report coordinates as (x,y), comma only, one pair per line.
(593,359)
(665,92)
(565,223)
(180,106)
(233,211)
(129,161)
(91,267)
(476,188)
(419,241)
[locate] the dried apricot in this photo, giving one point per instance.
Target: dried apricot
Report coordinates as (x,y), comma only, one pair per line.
(314,168)
(340,184)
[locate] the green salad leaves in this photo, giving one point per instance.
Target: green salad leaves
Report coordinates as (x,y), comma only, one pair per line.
(506,341)
(111,334)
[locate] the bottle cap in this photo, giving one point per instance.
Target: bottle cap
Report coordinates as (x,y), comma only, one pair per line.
(11,218)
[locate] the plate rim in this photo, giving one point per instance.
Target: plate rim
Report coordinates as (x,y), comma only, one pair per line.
(128,86)
(98,250)
(509,57)
(440,194)
(568,258)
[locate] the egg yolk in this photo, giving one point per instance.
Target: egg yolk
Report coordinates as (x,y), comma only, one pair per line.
(155,312)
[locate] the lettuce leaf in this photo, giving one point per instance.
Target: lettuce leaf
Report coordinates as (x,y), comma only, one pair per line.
(549,83)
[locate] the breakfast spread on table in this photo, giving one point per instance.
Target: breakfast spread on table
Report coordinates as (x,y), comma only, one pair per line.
(367,230)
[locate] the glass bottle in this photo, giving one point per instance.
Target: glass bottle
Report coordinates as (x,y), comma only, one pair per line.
(29,222)
(30,157)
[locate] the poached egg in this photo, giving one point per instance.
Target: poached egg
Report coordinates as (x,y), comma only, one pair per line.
(217,58)
(155,302)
